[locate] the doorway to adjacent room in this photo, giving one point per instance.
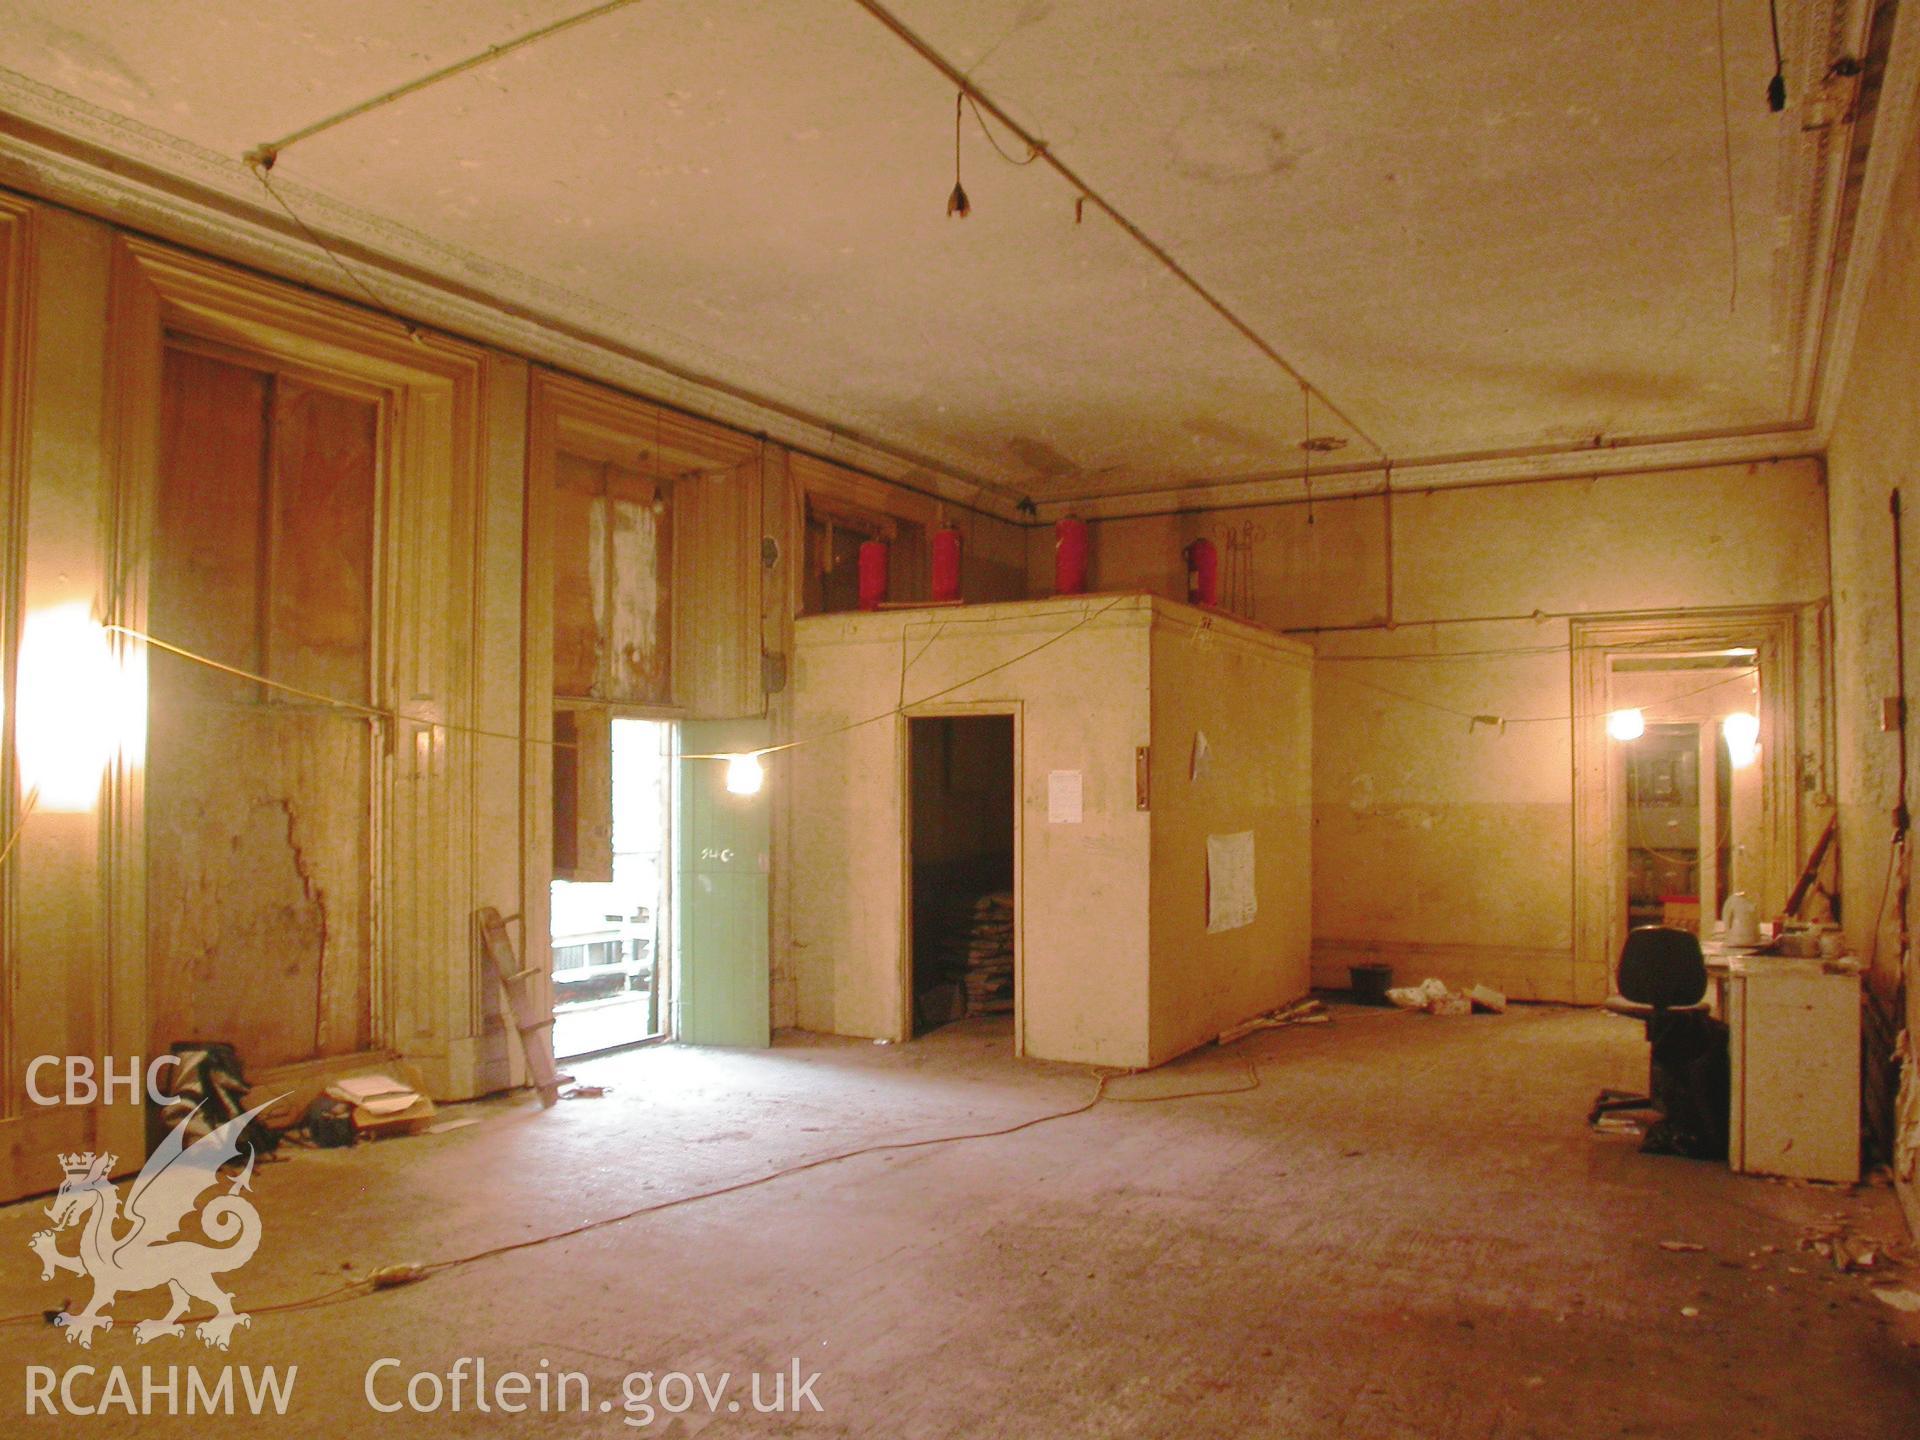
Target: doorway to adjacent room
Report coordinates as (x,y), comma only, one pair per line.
(613,973)
(962,840)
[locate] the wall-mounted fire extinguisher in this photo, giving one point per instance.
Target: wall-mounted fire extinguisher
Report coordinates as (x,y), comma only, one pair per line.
(1203,573)
(1070,556)
(946,564)
(873,573)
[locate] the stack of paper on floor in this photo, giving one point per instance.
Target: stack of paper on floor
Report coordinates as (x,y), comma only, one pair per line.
(383,1105)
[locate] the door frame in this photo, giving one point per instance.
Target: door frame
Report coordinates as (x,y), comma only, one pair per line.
(1015,709)
(1599,880)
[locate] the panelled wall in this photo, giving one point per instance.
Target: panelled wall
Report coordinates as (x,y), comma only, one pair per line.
(307,492)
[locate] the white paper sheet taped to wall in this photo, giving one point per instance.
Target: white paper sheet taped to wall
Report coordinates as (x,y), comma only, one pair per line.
(1230,899)
(1063,797)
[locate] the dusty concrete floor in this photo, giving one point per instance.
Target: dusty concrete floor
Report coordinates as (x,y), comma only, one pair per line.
(1406,1230)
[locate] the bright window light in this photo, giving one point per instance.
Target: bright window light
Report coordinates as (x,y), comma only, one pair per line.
(78,708)
(1743,737)
(745,774)
(1627,724)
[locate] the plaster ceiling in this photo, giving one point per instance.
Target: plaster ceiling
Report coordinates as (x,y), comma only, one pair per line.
(1479,229)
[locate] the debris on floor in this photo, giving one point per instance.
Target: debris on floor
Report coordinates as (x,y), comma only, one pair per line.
(382,1105)
(329,1123)
(389,1277)
(1485,997)
(584,1092)
(1833,1240)
(1435,998)
(209,1088)
(1681,1246)
(1301,1012)
(1905,1301)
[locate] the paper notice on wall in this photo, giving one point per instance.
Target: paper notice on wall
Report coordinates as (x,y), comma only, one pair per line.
(1202,753)
(1063,797)
(1230,898)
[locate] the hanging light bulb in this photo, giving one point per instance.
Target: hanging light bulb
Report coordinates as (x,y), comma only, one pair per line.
(957,202)
(1743,738)
(1627,724)
(745,774)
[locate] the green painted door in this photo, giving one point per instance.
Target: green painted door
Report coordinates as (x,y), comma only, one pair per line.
(724,848)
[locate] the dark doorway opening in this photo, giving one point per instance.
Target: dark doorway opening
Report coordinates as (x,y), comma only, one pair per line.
(961,806)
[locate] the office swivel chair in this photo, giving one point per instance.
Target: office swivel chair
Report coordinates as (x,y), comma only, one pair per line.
(1662,982)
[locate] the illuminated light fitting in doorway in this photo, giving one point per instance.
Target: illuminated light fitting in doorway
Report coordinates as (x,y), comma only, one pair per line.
(80,706)
(1627,724)
(1743,738)
(745,774)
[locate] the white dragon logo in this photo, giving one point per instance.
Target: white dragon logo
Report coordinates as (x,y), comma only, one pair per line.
(144,1256)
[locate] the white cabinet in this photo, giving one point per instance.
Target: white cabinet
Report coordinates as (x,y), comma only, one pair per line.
(1794,1032)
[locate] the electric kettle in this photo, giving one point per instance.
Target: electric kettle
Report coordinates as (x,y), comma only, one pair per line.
(1740,920)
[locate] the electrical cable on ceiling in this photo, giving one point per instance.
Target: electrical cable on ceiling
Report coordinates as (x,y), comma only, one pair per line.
(1726,151)
(359,282)
(1306,446)
(265,155)
(1087,194)
(957,201)
(1777,86)
(1033,148)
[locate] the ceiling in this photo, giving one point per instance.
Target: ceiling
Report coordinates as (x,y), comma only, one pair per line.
(1498,229)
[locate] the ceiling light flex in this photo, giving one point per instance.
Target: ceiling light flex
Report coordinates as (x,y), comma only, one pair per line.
(1088,195)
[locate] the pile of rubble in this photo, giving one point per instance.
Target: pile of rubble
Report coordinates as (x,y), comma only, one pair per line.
(1435,998)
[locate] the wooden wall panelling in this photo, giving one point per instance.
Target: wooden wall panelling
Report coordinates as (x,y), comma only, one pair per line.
(68,989)
(208,525)
(579,580)
(422,849)
(638,623)
(832,496)
(320,549)
(258,805)
(717,575)
(689,646)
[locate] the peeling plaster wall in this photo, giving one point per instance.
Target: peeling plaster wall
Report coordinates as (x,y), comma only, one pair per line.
(1874,448)
(1440,849)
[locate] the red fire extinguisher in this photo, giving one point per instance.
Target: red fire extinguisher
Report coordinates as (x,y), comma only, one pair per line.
(1070,556)
(946,564)
(873,574)
(1203,573)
